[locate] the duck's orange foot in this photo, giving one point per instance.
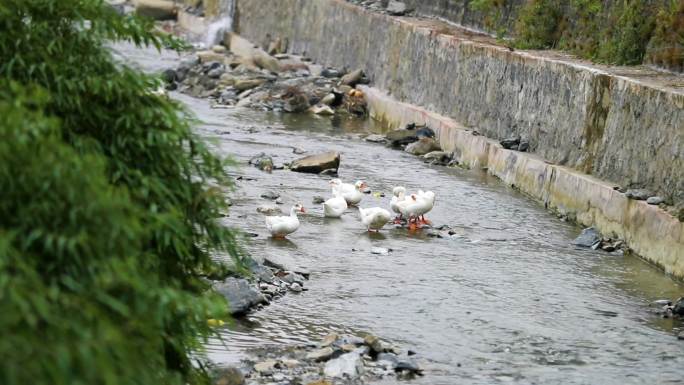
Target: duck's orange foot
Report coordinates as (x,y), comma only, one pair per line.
(413,226)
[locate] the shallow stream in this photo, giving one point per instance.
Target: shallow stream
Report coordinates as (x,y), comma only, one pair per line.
(508,299)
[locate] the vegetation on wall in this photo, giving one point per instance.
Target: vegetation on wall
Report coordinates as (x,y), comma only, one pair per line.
(623,32)
(108,207)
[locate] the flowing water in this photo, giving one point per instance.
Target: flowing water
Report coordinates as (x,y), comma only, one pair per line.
(507,299)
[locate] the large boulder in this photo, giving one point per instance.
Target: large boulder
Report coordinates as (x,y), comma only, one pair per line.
(347,365)
(156,9)
(241,295)
(588,238)
(422,146)
(316,163)
(401,137)
(352,79)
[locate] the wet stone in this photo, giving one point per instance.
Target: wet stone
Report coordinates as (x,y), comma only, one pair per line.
(228,376)
(510,143)
(317,199)
(319,355)
(638,194)
(380,250)
(328,340)
(347,365)
(297,288)
(374,343)
(588,238)
(655,200)
(270,195)
(269,210)
(265,367)
(407,365)
(241,295)
(317,163)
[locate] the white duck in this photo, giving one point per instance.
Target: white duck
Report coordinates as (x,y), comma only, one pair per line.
(399,193)
(428,202)
(352,193)
(280,226)
(335,206)
(415,206)
(374,218)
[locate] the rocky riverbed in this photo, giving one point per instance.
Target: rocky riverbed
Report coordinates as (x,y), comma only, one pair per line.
(336,359)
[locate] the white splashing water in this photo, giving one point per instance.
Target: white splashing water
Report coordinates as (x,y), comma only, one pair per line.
(217,29)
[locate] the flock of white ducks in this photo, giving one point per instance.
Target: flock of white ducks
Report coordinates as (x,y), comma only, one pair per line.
(411,207)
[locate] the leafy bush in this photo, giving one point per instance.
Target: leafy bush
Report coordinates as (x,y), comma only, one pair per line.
(630,27)
(108,207)
(666,48)
(537,25)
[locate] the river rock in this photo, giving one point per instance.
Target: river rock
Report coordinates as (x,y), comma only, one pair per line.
(247,84)
(317,199)
(263,273)
(388,360)
(330,73)
(216,72)
(328,99)
(209,56)
(296,103)
(328,340)
(320,355)
(272,195)
(374,343)
(638,194)
(241,295)
(655,200)
(347,365)
(322,109)
(678,308)
(375,138)
(269,210)
(510,143)
(352,79)
(396,8)
(317,163)
(265,367)
(524,146)
(228,376)
(588,238)
(156,9)
(379,250)
(401,137)
(422,146)
(407,364)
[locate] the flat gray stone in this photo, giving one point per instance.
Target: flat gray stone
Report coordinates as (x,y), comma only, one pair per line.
(241,295)
(588,238)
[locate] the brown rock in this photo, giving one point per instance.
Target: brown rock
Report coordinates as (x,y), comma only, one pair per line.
(352,79)
(156,9)
(248,84)
(317,163)
(422,146)
(228,376)
(320,354)
(207,56)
